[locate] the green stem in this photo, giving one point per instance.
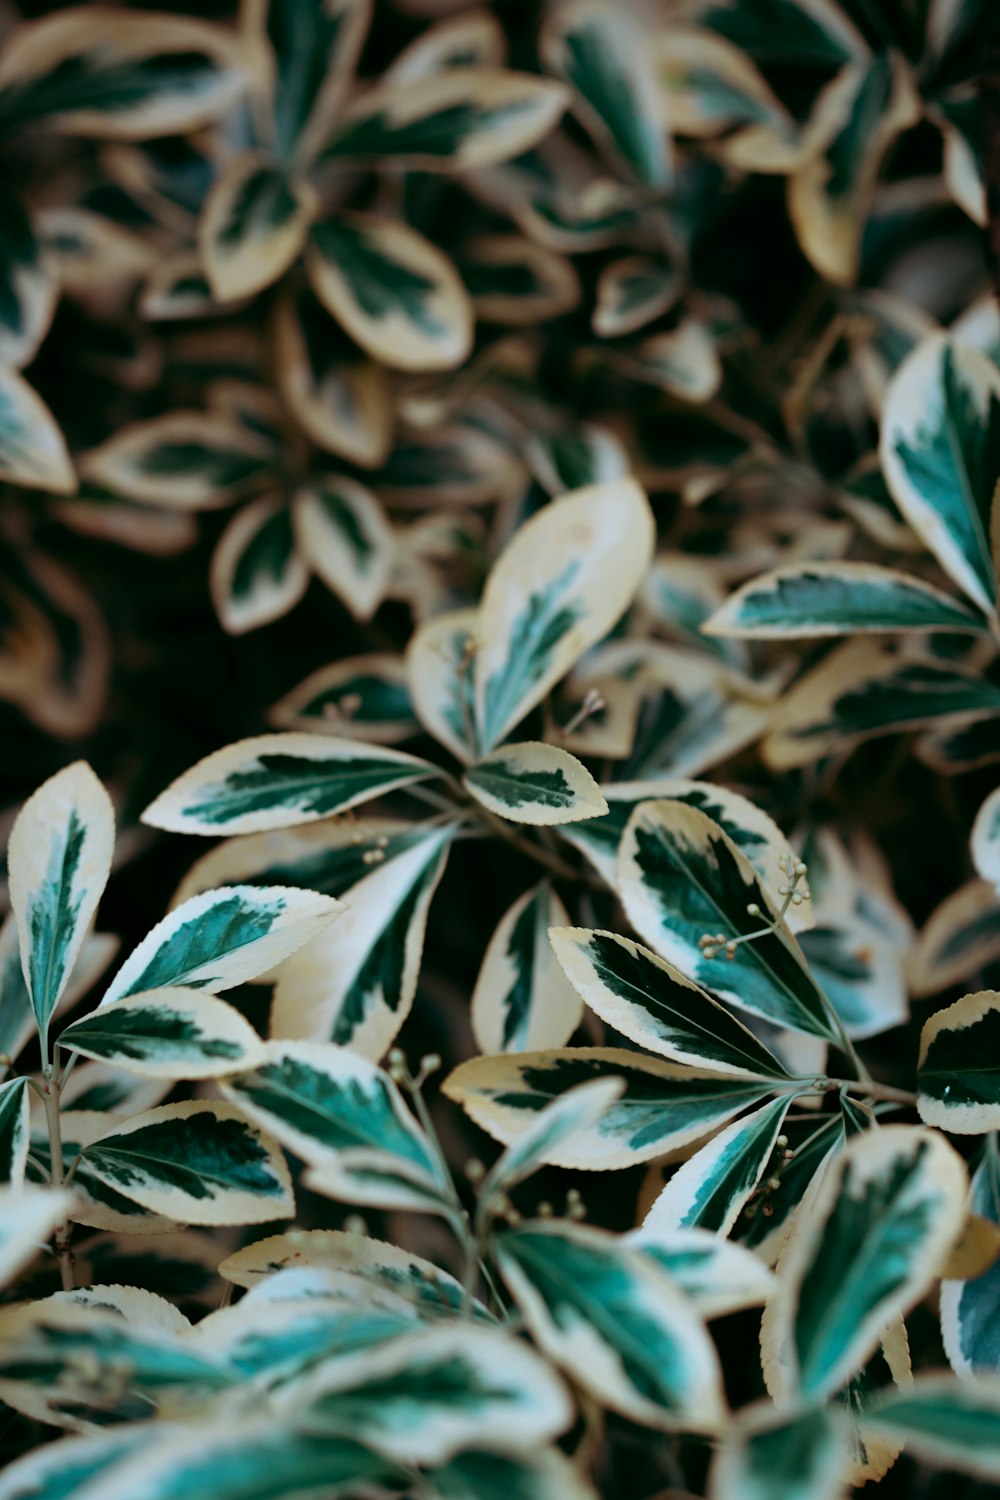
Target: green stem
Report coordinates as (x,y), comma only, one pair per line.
(871,1088)
(50,1094)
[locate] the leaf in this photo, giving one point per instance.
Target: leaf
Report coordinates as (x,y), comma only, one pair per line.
(517,283)
(866,1245)
(782,1457)
(454,121)
(543,1475)
(223,938)
(574,1111)
(356,987)
(681,877)
(985,841)
(62,1469)
(940,452)
(312,48)
(331,1108)
(683,362)
(201,1163)
(954,1423)
(28,289)
(14,1132)
(961,937)
(632,292)
(859,968)
(338,398)
(970,1308)
(863,689)
(278,781)
(393,291)
(718,1276)
(28,1215)
(712,1187)
(367,696)
(615,1322)
(855,120)
(560,584)
(453,42)
(840,598)
(59,858)
(665,1106)
(167,1033)
(186,460)
(257,575)
(429,1395)
(253,225)
(439,662)
(958,1071)
(97,72)
(522,1002)
(33,450)
(605,58)
(653,1004)
(344,535)
(532,782)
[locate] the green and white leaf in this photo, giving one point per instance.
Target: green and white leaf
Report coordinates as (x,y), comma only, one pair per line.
(252,227)
(61,1470)
(257,575)
(568,460)
(576,1110)
(560,584)
(958,1070)
(185,460)
(332,1107)
(868,1242)
(985,841)
(439,662)
(475,37)
(33,451)
(970,1309)
(517,283)
(632,292)
(28,287)
(683,362)
(312,48)
(28,1215)
(960,938)
(615,1322)
(860,969)
(605,58)
(718,1276)
(167,1033)
(782,1457)
(545,1474)
(367,696)
(59,858)
(532,782)
(713,1186)
(455,121)
(356,987)
(431,1394)
(278,781)
(14,1132)
(93,1202)
(344,535)
(681,877)
(836,598)
(940,451)
(200,1163)
(223,938)
(394,292)
(522,1002)
(944,1421)
(649,1001)
(665,1107)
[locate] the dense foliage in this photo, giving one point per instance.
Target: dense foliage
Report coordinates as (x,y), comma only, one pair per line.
(524,484)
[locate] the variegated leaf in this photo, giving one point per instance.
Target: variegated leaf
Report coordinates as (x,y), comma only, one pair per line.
(532,782)
(278,781)
(439,662)
(616,1323)
(713,1186)
(860,969)
(334,1108)
(718,1276)
(167,1033)
(970,1308)
(558,1122)
(96,72)
(63,1469)
(455,121)
(961,937)
(200,1163)
(682,878)
(646,999)
(93,1202)
(223,938)
(665,1106)
(958,1070)
(393,291)
(559,586)
(839,598)
(311,48)
(28,1215)
(775,1456)
(632,292)
(14,1131)
(863,689)
(475,38)
(367,696)
(257,575)
(940,452)
(985,842)
(545,1474)
(517,283)
(605,57)
(522,1002)
(59,858)
(868,1242)
(186,460)
(953,1423)
(28,287)
(344,535)
(253,226)
(683,362)
(356,987)
(33,450)
(568,460)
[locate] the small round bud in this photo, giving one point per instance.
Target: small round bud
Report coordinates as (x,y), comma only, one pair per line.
(773,1184)
(430,1062)
(767,1208)
(355,1224)
(782,1141)
(474,1170)
(801,868)
(545,1210)
(753,909)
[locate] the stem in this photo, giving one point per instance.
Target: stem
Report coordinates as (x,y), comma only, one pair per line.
(533,851)
(871,1088)
(458,1218)
(51,1097)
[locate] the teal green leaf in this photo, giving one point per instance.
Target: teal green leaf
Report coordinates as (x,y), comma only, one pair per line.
(28,1216)
(522,1001)
(185,460)
(545,1137)
(615,1322)
(14,1131)
(33,451)
(985,843)
(168,1033)
(970,1310)
(256,574)
(27,286)
(367,696)
(439,661)
(252,228)
(543,1475)
(343,533)
(944,1421)
(532,782)
(315,45)
(62,1470)
(958,1070)
(960,938)
(718,1276)
(817,34)
(278,780)
(800,1457)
